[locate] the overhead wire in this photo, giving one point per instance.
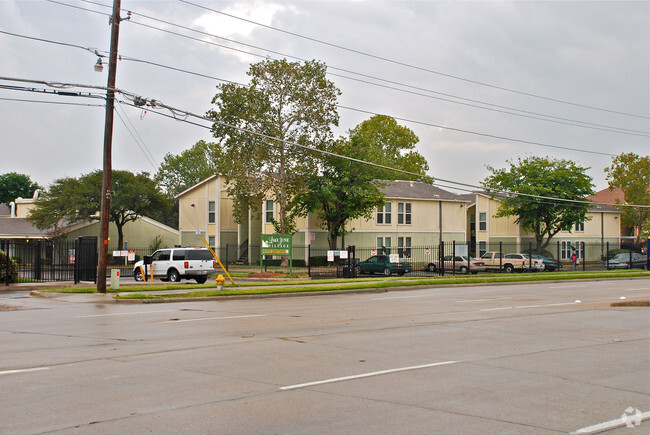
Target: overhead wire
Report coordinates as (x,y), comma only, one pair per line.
(407,65)
(463,101)
(466,131)
(175,112)
(136,137)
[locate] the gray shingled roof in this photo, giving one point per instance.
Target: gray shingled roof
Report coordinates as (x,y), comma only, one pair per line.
(19,227)
(417,190)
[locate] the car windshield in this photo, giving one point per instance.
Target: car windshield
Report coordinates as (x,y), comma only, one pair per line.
(621,256)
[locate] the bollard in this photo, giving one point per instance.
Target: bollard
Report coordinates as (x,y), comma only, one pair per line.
(115,279)
(220,282)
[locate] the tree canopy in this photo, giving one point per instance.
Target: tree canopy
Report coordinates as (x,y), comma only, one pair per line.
(347,189)
(14,185)
(537,179)
(70,200)
(631,173)
(285,102)
(177,173)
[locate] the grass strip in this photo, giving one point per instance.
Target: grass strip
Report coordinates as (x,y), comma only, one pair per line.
(334,285)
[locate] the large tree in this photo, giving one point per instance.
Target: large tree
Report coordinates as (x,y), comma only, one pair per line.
(536,188)
(14,185)
(631,173)
(195,164)
(347,189)
(286,102)
(70,200)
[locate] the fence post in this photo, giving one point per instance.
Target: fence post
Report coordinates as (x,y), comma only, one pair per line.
(607,257)
(226,256)
(309,260)
(38,261)
(8,264)
(441,256)
(584,257)
(500,256)
(453,258)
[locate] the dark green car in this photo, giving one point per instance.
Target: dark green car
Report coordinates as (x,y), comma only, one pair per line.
(381,264)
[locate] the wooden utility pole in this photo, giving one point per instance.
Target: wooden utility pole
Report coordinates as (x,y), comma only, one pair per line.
(108,144)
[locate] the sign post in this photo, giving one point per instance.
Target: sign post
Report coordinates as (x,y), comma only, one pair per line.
(276,244)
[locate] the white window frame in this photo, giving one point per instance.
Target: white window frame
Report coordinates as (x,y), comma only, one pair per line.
(404,213)
(212,212)
(384,213)
(268,214)
(384,244)
(482,221)
(579,228)
(404,246)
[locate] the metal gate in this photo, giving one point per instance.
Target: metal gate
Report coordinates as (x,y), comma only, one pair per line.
(85,265)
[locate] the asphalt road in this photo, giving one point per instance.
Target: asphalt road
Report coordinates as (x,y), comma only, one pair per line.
(504,359)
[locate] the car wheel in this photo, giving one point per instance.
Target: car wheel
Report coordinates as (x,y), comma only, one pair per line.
(201,279)
(508,268)
(358,269)
(474,272)
(137,275)
(173,275)
(387,271)
(431,267)
(462,270)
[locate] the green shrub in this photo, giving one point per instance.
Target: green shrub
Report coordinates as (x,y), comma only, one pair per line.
(13,269)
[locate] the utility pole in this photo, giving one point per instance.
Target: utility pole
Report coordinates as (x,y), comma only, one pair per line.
(108,144)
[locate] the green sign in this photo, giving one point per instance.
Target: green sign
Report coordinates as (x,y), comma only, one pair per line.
(276,244)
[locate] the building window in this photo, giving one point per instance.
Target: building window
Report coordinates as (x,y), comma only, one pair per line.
(404,247)
(383,245)
(269,211)
(211,213)
(384,214)
(404,213)
(482,221)
(212,241)
(567,248)
(482,248)
(579,228)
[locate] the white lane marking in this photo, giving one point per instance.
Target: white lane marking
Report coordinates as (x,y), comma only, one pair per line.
(366,375)
(527,306)
(124,314)
(35,369)
(483,300)
(623,421)
(214,318)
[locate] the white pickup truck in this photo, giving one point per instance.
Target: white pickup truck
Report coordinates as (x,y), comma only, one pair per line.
(511,262)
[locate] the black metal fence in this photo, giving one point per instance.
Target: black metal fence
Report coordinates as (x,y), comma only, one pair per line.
(76,260)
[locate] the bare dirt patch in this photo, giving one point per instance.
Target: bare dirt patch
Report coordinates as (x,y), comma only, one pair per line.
(631,304)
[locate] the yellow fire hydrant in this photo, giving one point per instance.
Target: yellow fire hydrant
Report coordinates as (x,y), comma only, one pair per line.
(220,282)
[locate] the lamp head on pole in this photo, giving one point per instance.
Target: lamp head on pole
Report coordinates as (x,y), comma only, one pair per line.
(99,66)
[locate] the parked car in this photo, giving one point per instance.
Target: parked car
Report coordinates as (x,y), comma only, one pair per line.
(173,264)
(459,263)
(622,261)
(382,264)
(511,262)
(550,264)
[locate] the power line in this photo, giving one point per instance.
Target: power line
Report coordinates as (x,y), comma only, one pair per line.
(63,103)
(138,140)
(176,113)
(407,65)
(490,106)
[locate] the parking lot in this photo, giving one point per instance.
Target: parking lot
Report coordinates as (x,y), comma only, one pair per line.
(525,358)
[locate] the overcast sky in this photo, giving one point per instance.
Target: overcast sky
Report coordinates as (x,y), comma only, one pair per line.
(479,82)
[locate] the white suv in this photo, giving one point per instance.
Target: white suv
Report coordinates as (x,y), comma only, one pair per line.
(175,263)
